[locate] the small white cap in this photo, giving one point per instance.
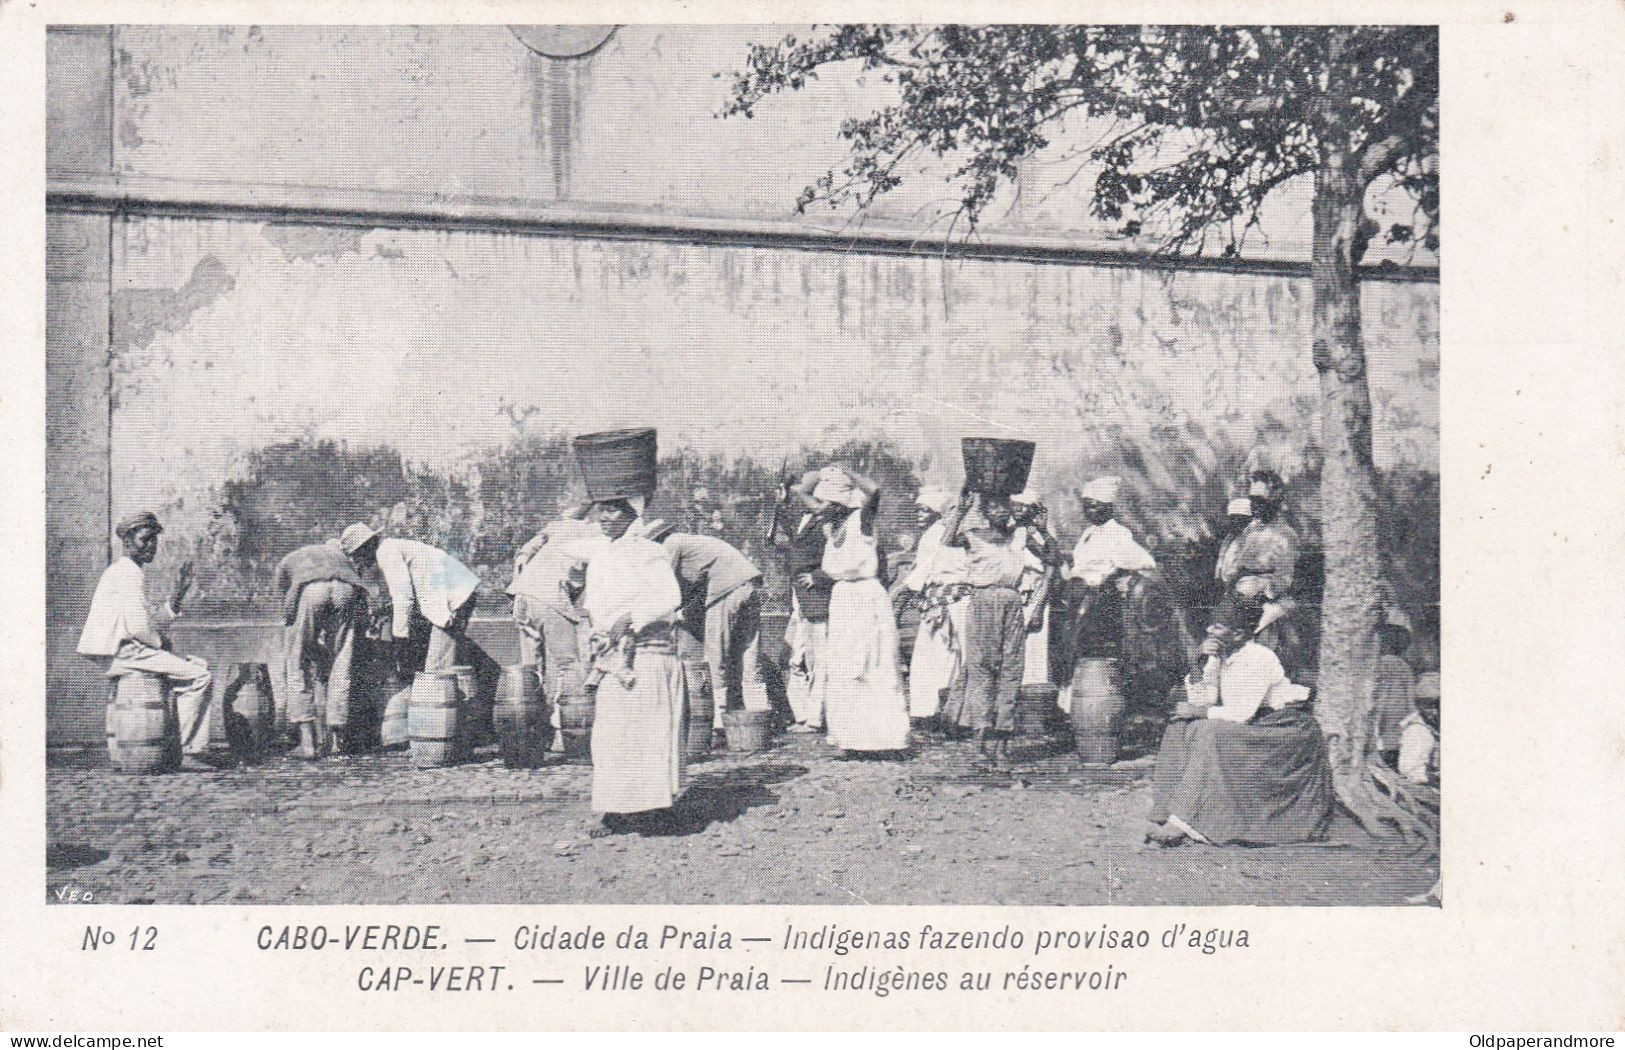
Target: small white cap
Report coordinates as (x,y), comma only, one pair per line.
(1103,490)
(355,537)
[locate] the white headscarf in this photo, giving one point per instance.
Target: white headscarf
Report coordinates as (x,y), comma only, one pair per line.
(836,486)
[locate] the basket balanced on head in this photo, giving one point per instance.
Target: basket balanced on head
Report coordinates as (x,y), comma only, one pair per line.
(997,466)
(618,464)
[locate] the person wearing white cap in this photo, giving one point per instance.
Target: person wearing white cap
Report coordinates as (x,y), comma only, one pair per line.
(1266,553)
(124,632)
(937,581)
(1264,564)
(1419,736)
(425,583)
(1106,547)
(1242,760)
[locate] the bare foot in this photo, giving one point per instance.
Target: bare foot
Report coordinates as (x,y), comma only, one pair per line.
(1165,835)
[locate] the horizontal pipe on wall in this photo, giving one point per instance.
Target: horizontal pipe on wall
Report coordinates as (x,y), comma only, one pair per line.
(253,202)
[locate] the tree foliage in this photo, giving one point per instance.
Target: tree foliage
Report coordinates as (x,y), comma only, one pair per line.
(1204,122)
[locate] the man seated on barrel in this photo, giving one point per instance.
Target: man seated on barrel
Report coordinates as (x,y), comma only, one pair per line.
(123,629)
(324,608)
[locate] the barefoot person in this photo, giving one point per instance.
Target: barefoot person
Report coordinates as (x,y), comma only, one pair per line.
(996,624)
(864,703)
(324,608)
(633,603)
(124,631)
(1242,761)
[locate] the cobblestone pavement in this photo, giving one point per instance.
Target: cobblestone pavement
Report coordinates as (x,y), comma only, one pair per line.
(797,824)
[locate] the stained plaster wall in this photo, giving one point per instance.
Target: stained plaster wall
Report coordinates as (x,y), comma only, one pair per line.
(178,346)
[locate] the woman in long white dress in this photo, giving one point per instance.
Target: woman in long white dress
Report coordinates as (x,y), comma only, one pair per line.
(866,710)
(639,720)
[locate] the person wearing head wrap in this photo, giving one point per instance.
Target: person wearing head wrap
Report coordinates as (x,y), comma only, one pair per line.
(864,706)
(425,584)
(1242,759)
(640,717)
(1266,552)
(1106,547)
(1264,563)
(124,631)
(324,608)
(937,584)
(807,632)
(1419,734)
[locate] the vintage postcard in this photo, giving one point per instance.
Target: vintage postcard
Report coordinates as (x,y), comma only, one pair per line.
(964,523)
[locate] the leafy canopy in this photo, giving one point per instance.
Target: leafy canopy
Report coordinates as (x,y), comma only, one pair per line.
(1204,121)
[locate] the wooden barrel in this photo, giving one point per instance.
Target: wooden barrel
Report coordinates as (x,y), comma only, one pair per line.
(575,724)
(521,718)
(616,464)
(997,465)
(249,710)
(747,731)
(702,709)
(143,732)
(1036,704)
(434,718)
(397,699)
(1097,710)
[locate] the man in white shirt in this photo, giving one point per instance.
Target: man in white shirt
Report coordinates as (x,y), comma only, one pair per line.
(124,630)
(1102,562)
(1106,547)
(422,580)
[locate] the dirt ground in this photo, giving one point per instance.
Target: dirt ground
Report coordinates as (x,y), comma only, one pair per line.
(798,824)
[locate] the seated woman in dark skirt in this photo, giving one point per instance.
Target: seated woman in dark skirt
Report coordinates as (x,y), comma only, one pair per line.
(1243,761)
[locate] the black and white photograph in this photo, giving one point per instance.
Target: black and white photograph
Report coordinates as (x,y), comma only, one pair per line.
(765,464)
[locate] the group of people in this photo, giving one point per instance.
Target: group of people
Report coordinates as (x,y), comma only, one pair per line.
(611,601)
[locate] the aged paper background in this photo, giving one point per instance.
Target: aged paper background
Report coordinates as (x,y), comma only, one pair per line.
(1530,935)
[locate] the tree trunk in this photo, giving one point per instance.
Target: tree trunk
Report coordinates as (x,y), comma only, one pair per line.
(1351,610)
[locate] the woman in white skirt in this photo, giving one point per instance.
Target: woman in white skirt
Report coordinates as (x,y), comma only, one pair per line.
(866,710)
(641,714)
